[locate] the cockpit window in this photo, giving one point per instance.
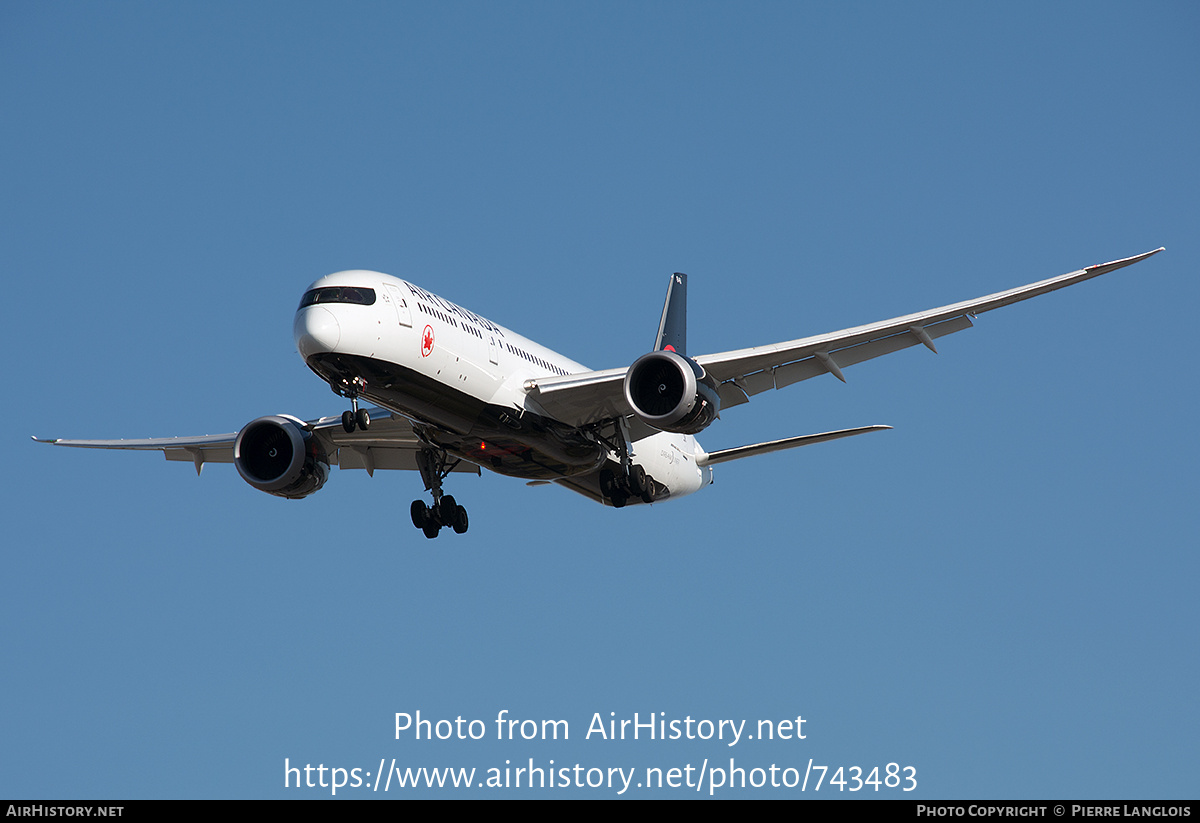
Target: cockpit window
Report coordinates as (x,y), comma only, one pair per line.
(339,294)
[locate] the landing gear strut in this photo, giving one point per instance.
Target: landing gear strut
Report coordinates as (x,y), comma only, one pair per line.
(434,465)
(632,481)
(354,417)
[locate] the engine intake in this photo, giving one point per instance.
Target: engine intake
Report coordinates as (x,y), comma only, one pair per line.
(276,455)
(671,392)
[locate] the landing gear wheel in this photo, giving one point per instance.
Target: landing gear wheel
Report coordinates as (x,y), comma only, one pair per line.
(420,513)
(447,510)
(361,419)
(606,483)
(460,520)
(618,499)
(445,513)
(348,421)
(637,481)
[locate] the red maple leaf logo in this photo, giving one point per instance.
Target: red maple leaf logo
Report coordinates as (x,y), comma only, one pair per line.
(427,341)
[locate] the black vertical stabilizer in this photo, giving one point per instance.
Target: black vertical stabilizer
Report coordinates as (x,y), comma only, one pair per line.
(672,329)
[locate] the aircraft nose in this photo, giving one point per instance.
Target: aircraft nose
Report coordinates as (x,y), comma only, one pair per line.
(316,330)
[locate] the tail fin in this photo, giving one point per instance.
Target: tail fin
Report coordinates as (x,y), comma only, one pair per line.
(672,329)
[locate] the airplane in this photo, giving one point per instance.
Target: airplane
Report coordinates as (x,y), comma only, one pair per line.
(455,392)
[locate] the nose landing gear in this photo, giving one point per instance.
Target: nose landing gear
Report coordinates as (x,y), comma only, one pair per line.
(354,418)
(445,512)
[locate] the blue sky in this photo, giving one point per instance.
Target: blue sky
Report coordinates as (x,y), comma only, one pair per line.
(1000,592)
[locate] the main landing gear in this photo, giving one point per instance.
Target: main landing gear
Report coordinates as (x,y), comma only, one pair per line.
(434,465)
(619,489)
(630,480)
(354,417)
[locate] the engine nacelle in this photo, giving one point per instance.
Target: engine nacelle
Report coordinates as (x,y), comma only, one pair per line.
(671,392)
(276,455)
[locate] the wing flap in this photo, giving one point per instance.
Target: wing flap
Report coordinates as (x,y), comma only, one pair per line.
(209,455)
(389,444)
(756,383)
(376,457)
(732,395)
(790,373)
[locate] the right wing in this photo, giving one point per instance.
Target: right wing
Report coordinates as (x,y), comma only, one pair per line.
(389,443)
(579,399)
(746,372)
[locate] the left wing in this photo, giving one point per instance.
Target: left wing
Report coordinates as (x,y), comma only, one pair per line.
(207,448)
(390,443)
(578,399)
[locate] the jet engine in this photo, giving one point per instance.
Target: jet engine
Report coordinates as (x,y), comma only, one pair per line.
(671,392)
(276,455)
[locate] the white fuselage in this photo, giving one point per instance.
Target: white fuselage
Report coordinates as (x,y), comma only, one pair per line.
(460,378)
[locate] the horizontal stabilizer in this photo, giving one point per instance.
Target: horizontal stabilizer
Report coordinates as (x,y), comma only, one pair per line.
(725,455)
